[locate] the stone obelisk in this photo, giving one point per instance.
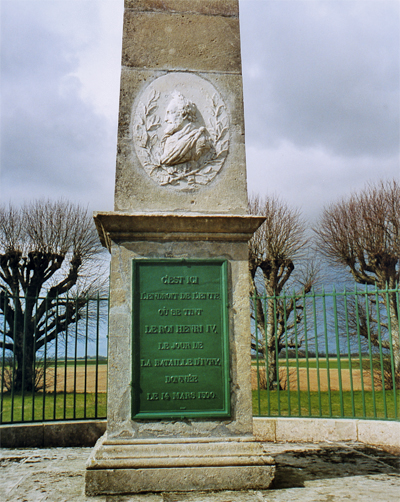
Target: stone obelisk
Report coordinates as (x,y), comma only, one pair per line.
(179,395)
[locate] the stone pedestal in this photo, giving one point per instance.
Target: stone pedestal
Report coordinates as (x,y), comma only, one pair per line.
(160,465)
(180,201)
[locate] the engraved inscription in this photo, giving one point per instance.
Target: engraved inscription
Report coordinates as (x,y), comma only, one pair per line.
(180,131)
(180,366)
(181,378)
(180,296)
(197,361)
(180,345)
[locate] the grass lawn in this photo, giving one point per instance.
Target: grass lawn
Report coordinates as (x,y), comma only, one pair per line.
(272,404)
(58,406)
(322,363)
(309,404)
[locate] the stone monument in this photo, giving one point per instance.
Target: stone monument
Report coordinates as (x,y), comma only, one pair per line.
(179,393)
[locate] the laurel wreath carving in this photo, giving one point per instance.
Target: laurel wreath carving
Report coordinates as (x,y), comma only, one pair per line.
(145,133)
(145,130)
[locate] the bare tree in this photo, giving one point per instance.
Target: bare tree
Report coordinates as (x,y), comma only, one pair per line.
(275,251)
(362,235)
(47,249)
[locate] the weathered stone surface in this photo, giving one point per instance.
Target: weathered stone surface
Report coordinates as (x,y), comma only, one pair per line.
(119,389)
(177,465)
(306,472)
(264,429)
(113,226)
(379,432)
(212,7)
(178,479)
(309,429)
(372,432)
(47,434)
(73,433)
(135,190)
(181,42)
(177,452)
(180,193)
(16,436)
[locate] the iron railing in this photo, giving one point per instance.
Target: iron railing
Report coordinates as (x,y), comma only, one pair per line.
(53,358)
(326,354)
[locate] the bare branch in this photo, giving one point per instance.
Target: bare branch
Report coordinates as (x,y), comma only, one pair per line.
(363,234)
(275,251)
(47,249)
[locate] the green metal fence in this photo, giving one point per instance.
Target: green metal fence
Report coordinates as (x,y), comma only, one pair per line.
(315,355)
(53,358)
(327,354)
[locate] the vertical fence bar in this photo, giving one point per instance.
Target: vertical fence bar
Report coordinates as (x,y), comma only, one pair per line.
(3,355)
(86,356)
(327,352)
(34,360)
(397,300)
(338,352)
(360,355)
(392,362)
(255,300)
(24,361)
(75,353)
(378,320)
(66,313)
(296,343)
(266,320)
(45,357)
(346,314)
(276,353)
(97,357)
(55,361)
(391,353)
(306,349)
(287,357)
(316,351)
(16,299)
(371,363)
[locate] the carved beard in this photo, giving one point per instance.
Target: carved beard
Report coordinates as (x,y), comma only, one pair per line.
(174,127)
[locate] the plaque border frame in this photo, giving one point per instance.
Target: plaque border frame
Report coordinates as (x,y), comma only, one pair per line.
(180,414)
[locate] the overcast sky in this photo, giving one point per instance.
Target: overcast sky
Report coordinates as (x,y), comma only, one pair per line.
(321,89)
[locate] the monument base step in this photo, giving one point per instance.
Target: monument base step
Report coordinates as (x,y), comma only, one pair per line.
(169,465)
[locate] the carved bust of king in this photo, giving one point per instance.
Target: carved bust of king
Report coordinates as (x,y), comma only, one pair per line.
(183,142)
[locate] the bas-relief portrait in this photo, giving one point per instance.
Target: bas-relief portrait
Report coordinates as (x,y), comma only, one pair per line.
(183,144)
(187,147)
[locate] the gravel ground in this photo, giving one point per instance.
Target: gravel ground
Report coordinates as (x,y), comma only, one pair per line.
(304,472)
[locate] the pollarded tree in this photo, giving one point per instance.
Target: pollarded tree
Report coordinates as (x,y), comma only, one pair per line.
(46,248)
(362,235)
(277,264)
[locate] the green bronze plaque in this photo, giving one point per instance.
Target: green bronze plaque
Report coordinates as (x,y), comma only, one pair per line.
(180,339)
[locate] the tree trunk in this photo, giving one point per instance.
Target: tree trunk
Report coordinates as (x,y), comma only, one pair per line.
(270,350)
(394,324)
(24,374)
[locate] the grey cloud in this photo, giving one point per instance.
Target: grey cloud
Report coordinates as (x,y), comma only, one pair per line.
(51,139)
(322,74)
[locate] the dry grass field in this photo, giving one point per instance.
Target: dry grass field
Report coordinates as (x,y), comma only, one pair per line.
(76,378)
(310,381)
(307,382)
(78,382)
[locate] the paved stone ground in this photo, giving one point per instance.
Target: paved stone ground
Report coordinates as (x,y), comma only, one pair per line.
(305,472)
